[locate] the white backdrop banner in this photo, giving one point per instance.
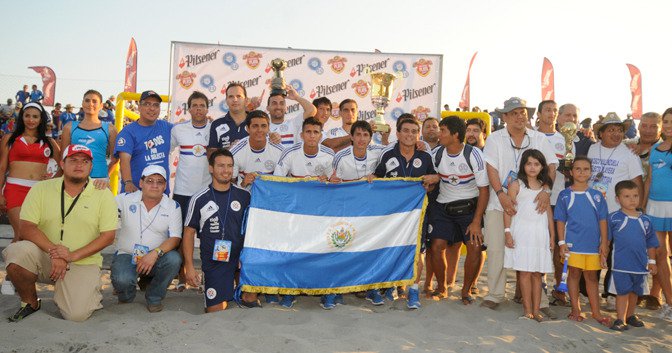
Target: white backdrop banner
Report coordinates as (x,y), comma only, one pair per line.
(337,75)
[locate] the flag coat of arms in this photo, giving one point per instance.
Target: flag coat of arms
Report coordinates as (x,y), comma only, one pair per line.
(316,238)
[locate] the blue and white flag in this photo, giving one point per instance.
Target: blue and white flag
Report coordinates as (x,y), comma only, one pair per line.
(315,238)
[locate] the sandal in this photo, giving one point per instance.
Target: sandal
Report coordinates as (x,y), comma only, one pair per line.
(651,302)
(574,317)
(604,321)
(439,295)
(518,300)
(180,287)
(468,300)
(559,298)
(526,317)
(540,318)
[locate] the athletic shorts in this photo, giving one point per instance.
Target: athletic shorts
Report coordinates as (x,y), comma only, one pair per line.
(450,228)
(219,281)
(586,262)
(15,194)
(623,283)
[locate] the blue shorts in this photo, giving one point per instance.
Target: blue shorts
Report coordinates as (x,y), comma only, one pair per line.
(219,281)
(622,283)
(448,227)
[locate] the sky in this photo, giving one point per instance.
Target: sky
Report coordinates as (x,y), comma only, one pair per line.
(588,42)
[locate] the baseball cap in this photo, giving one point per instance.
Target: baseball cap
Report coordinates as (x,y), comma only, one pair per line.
(515,103)
(154,169)
(149,94)
(71,150)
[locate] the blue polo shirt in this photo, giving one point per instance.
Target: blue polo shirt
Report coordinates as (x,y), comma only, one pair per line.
(393,165)
(224,131)
(581,211)
(66,117)
(146,145)
(218,215)
(35,96)
(632,237)
(22,96)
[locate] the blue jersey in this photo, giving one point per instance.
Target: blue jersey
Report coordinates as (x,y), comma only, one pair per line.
(218,215)
(224,132)
(22,97)
(96,140)
(392,164)
(661,174)
(67,117)
(581,212)
(106,115)
(632,237)
(146,145)
(36,96)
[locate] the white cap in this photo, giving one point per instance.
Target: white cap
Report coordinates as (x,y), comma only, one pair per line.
(154,169)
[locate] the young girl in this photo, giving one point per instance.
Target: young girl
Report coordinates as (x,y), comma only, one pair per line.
(658,205)
(529,236)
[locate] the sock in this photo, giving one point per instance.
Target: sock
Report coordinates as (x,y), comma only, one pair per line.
(415,286)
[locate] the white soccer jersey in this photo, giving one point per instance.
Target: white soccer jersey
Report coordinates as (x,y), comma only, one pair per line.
(296,163)
(289,130)
(337,132)
(458,181)
(192,172)
(246,160)
(558,145)
(348,167)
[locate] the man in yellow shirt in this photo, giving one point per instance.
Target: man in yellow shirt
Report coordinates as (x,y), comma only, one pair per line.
(62,245)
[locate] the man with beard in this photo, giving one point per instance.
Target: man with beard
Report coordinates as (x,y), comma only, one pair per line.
(289,129)
(61,245)
(475,134)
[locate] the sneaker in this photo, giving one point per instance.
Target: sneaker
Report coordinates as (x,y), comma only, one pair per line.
(249,305)
(328,301)
(618,325)
(373,295)
(272,298)
(610,303)
(288,301)
(24,311)
(389,294)
(634,321)
(339,299)
(7,287)
(665,312)
(413,299)
(401,293)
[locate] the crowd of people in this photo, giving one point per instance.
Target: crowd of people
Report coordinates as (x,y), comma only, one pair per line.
(515,194)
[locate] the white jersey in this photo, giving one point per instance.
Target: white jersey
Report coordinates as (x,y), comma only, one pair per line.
(348,167)
(192,172)
(458,181)
(332,123)
(612,165)
(296,163)
(289,130)
(246,160)
(337,132)
(558,145)
(149,228)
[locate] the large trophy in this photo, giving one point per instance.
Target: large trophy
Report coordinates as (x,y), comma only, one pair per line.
(568,131)
(278,85)
(381,93)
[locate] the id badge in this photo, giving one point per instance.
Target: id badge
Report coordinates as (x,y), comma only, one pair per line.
(601,187)
(138,252)
(222,250)
(509,179)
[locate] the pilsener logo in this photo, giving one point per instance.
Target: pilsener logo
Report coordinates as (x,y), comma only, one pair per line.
(193,60)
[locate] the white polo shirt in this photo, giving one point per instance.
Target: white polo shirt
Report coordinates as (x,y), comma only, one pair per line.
(138,226)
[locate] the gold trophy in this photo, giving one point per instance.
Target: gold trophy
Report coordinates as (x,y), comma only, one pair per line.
(568,131)
(381,93)
(278,85)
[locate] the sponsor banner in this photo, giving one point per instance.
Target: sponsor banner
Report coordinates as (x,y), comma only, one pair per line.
(636,91)
(48,84)
(547,81)
(333,238)
(130,82)
(210,68)
(466,92)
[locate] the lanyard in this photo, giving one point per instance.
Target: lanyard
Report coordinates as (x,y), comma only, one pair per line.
(518,151)
(158,209)
(599,175)
(72,205)
(408,169)
(222,221)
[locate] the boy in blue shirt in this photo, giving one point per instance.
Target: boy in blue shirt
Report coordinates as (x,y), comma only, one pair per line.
(633,255)
(581,216)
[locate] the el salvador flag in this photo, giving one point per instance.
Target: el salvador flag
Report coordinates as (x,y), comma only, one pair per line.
(316,238)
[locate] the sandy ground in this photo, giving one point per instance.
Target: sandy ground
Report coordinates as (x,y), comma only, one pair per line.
(440,326)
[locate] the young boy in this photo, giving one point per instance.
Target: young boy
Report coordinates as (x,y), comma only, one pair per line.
(581,216)
(635,244)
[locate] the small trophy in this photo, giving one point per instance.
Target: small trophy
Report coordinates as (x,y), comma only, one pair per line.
(381,93)
(278,85)
(568,131)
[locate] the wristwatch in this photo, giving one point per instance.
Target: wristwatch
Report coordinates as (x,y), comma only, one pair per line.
(548,191)
(159,251)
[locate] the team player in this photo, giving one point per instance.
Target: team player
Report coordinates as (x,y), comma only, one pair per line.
(430,133)
(229,129)
(143,142)
(634,254)
(358,161)
(98,136)
(581,217)
(255,154)
(403,159)
(216,215)
(289,129)
(304,160)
